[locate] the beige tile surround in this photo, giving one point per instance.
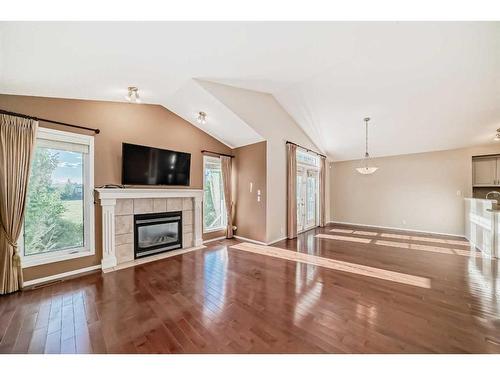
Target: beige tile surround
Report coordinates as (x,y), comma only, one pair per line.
(125,210)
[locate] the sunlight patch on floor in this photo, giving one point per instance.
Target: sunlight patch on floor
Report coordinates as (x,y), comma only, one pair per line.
(338,230)
(365,233)
(343,238)
(425,239)
(353,268)
(434,249)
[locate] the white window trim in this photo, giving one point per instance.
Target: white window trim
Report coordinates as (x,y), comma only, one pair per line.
(223,226)
(88,248)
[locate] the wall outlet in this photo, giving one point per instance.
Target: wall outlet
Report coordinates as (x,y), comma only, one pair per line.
(404,221)
(459,193)
(258,195)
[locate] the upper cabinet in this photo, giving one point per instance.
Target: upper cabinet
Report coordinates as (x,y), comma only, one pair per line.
(486,171)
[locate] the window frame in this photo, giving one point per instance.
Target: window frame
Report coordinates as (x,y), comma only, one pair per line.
(88,247)
(207,158)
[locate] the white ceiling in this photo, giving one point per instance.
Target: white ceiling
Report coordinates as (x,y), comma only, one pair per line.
(427,86)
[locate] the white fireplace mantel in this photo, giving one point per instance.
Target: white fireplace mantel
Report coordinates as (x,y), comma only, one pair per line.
(108,197)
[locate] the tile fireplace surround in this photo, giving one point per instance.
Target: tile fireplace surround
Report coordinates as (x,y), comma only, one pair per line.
(119,207)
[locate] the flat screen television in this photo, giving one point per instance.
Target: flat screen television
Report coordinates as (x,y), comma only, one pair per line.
(142,165)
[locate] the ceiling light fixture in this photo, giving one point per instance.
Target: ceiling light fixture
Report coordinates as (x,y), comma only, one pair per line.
(497,136)
(366,169)
(202,117)
(133,95)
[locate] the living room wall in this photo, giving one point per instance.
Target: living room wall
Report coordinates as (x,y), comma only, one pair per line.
(249,167)
(150,125)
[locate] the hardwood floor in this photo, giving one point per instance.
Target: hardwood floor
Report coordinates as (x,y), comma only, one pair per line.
(227,300)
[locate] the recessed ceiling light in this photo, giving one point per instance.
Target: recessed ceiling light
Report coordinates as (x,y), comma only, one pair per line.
(133,95)
(202,117)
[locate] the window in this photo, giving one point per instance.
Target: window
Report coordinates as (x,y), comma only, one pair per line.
(59,217)
(214,208)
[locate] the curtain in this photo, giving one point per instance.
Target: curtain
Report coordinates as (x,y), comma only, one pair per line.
(226,182)
(17,144)
(291,192)
(322,190)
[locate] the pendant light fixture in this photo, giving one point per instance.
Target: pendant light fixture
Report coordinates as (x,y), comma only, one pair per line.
(366,169)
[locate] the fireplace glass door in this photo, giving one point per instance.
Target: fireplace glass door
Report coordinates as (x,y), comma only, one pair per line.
(155,233)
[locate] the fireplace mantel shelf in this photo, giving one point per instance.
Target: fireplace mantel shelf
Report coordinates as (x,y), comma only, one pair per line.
(108,197)
(130,193)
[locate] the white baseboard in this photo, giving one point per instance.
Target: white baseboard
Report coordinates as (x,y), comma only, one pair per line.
(214,239)
(278,240)
(241,238)
(61,275)
(395,228)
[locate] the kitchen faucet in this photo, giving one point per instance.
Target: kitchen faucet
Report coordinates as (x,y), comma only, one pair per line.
(492,192)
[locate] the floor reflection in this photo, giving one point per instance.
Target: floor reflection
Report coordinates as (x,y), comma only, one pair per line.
(214,277)
(484,285)
(367,314)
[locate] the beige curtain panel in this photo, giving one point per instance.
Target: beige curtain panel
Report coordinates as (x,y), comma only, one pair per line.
(322,190)
(17,143)
(226,181)
(291,192)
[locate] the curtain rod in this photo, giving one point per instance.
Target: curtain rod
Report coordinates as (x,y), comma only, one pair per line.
(97,131)
(216,153)
(308,150)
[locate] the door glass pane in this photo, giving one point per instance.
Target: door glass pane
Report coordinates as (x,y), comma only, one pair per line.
(54,209)
(214,209)
(158,234)
(311,199)
(300,200)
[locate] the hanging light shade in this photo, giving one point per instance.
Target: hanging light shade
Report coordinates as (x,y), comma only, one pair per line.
(366,169)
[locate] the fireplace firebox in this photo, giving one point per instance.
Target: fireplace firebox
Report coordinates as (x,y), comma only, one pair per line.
(156,233)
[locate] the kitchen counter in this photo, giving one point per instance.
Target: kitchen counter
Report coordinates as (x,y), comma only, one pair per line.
(482,225)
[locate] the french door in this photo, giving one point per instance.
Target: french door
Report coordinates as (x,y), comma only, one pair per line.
(307,198)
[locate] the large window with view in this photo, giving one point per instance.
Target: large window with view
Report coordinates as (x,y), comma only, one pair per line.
(214,209)
(59,217)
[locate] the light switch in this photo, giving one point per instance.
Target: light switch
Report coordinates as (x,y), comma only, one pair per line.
(251,187)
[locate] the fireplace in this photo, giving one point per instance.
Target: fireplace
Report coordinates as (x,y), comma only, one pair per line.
(156,233)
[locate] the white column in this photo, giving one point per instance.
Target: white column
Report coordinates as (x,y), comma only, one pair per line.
(108,233)
(198,240)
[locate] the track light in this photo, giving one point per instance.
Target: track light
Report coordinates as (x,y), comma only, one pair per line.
(202,118)
(133,95)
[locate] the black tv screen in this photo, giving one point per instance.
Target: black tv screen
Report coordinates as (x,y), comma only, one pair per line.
(142,165)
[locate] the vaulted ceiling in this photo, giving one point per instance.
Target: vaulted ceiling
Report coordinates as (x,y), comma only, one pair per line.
(426,85)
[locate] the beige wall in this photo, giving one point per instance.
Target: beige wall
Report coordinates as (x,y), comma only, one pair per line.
(150,125)
(268,118)
(416,191)
(250,167)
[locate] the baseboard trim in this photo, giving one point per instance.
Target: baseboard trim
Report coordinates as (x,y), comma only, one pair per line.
(60,275)
(241,238)
(278,240)
(396,228)
(214,239)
